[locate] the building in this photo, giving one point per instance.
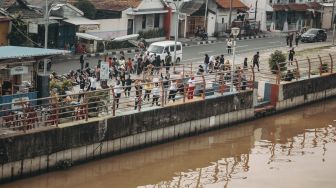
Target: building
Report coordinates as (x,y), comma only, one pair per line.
(124,17)
(291,15)
(4,27)
(327,20)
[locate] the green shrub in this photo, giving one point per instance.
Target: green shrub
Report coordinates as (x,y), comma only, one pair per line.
(277,58)
(324,67)
(152,33)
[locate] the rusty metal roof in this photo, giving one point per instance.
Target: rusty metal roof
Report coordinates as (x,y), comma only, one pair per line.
(297,6)
(225,4)
(116,5)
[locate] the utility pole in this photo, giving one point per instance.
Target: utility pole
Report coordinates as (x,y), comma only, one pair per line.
(333,22)
(230,14)
(205,14)
(255,10)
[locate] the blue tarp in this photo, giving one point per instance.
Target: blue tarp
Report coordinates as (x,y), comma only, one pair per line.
(15,52)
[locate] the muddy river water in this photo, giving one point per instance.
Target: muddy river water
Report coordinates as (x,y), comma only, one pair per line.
(292,149)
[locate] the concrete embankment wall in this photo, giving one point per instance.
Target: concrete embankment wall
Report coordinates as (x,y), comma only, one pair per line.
(305,91)
(35,152)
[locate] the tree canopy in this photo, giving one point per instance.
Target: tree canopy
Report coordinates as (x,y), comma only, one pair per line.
(87,7)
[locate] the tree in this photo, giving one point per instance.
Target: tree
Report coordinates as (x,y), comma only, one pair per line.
(277,58)
(87,7)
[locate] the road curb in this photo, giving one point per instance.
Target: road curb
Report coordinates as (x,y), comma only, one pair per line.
(199,43)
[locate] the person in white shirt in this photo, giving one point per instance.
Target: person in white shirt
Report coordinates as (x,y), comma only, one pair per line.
(172,90)
(191,87)
(156,94)
(117,93)
(229,46)
(93,82)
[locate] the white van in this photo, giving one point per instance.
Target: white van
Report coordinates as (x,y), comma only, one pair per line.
(161,49)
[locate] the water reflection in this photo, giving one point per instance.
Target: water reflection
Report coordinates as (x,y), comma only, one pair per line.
(287,150)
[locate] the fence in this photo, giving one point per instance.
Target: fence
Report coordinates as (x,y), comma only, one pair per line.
(305,68)
(119,100)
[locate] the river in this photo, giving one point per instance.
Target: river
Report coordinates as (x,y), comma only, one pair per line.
(292,149)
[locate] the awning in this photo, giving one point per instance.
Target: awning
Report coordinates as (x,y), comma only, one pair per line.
(300,7)
(279,7)
(81,21)
(88,36)
(15,52)
(126,37)
(191,7)
(314,5)
(142,12)
(84,23)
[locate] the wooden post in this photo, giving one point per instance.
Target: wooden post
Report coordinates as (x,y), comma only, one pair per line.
(297,69)
(331,64)
(320,64)
(309,67)
(204,87)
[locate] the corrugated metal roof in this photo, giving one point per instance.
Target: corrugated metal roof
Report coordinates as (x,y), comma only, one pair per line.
(13,52)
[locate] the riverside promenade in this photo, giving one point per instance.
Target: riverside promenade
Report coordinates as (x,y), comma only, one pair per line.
(46,133)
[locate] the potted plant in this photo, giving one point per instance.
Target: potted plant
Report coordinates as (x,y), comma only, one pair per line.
(277,58)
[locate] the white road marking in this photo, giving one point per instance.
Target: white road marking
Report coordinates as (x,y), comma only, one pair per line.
(242,46)
(273,42)
(204,52)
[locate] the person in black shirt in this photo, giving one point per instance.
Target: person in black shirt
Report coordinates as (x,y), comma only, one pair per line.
(291,56)
(256,60)
(81,61)
(221,60)
(245,63)
(128,87)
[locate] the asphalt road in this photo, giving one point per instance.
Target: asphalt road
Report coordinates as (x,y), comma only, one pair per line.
(190,53)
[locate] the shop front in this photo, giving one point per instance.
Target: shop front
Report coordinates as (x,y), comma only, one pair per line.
(20,76)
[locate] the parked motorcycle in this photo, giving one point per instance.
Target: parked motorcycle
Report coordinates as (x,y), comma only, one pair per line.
(202,34)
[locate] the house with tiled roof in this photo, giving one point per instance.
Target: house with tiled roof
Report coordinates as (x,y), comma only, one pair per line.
(124,17)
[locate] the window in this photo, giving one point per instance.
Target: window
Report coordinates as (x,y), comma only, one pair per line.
(166,49)
(172,48)
(144,22)
(178,47)
(157,20)
(292,1)
(270,1)
(222,20)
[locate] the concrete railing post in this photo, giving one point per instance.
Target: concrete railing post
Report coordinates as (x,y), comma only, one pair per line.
(113,102)
(57,113)
(320,64)
(278,80)
(331,64)
(86,102)
(204,87)
(309,67)
(297,69)
(139,101)
(253,75)
(162,94)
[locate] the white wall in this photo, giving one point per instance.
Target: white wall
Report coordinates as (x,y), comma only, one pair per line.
(111,28)
(211,23)
(151,4)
